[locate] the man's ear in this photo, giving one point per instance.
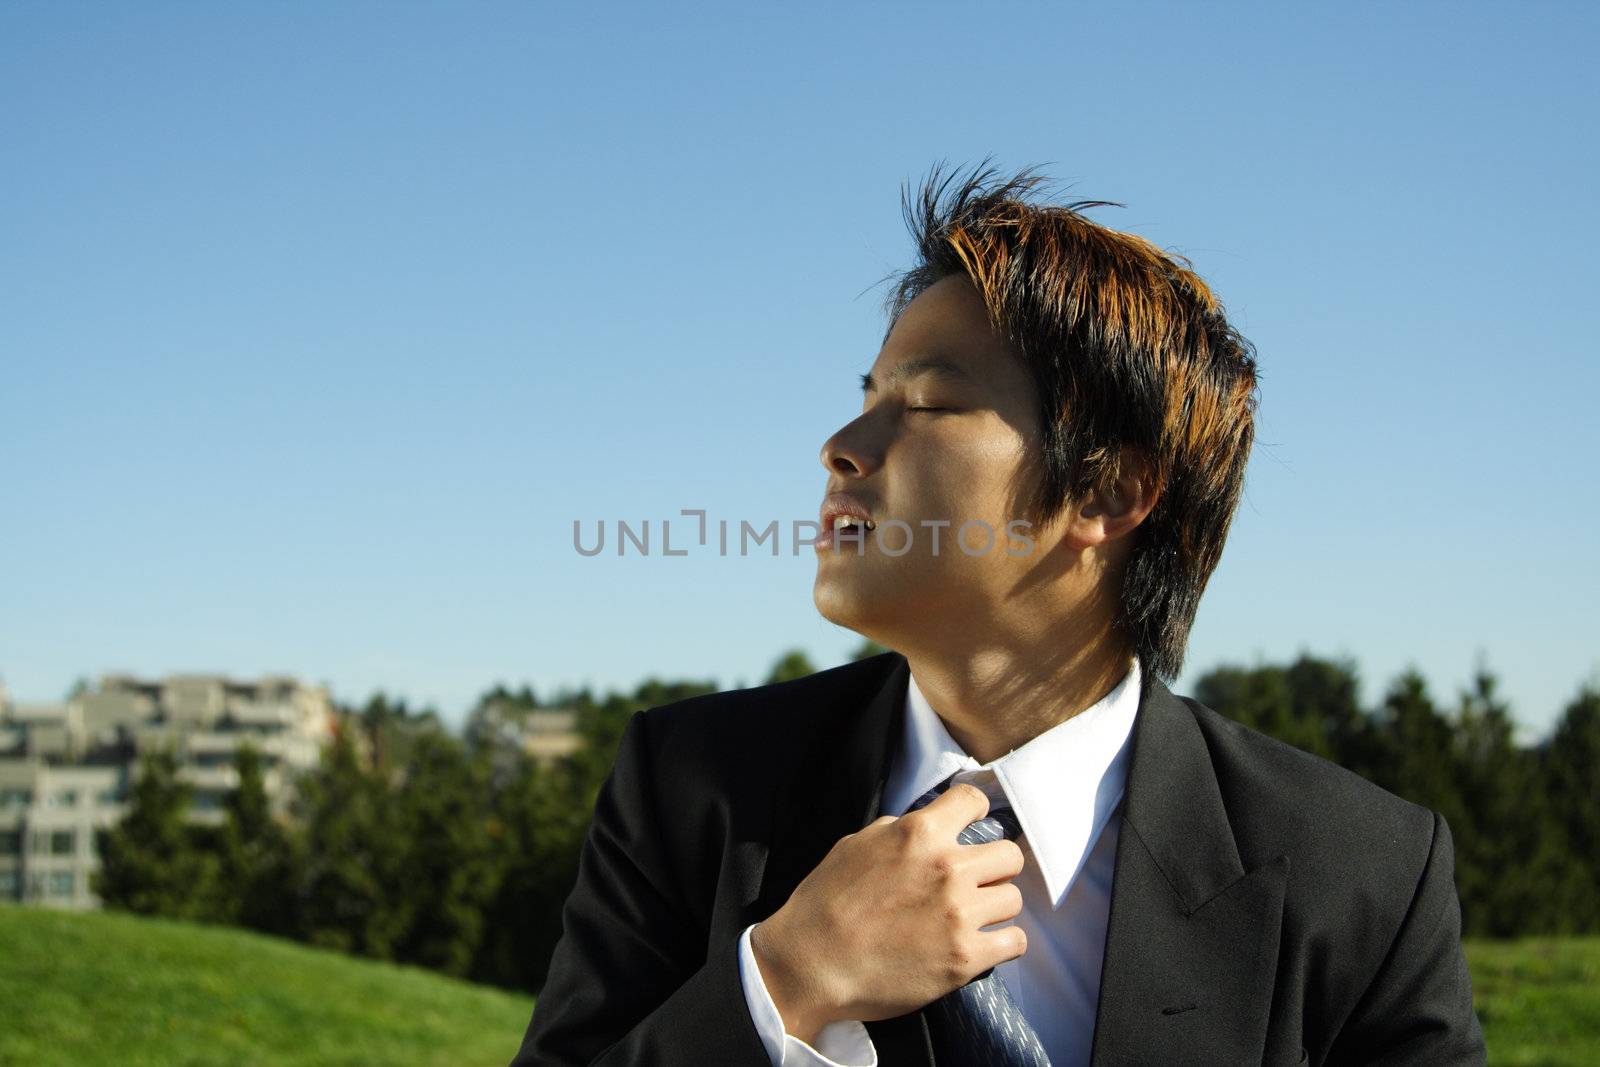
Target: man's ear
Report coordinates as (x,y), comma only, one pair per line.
(1116,508)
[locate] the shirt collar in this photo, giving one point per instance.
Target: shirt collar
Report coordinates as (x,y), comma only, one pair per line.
(1063,784)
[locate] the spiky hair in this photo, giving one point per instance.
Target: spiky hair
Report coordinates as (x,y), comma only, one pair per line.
(1128,348)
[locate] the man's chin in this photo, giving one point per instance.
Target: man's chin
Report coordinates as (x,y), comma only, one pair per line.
(851,601)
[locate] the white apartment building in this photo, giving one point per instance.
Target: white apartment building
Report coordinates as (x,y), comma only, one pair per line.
(51,819)
(65,768)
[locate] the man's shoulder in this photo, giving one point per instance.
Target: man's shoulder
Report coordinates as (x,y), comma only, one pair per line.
(1363,866)
(1328,819)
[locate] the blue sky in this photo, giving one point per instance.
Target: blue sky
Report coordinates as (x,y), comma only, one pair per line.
(320,324)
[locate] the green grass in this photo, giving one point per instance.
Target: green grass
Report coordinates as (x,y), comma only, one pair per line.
(1539,1000)
(96,988)
(101,988)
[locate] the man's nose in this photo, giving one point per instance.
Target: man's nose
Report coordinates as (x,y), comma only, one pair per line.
(848,452)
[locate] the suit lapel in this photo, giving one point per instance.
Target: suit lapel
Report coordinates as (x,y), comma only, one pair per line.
(834,785)
(1192,938)
(835,789)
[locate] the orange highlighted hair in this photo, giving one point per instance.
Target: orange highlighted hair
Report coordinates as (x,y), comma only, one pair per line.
(1129,349)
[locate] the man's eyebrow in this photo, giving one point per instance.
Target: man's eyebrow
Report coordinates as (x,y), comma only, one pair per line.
(942,367)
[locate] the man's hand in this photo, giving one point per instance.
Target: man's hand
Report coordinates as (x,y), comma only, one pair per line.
(889,921)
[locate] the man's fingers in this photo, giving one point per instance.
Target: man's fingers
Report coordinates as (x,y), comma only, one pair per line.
(957,806)
(1002,945)
(994,861)
(997,903)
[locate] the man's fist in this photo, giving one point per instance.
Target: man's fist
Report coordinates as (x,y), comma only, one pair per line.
(890,919)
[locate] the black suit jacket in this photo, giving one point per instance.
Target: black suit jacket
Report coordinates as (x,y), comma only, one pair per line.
(1267,906)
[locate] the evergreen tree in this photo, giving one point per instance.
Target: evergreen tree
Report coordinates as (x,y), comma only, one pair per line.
(1326,697)
(449,872)
(791,665)
(389,727)
(537,831)
(1416,758)
(1568,762)
(1510,869)
(150,862)
(1262,699)
(257,877)
(349,893)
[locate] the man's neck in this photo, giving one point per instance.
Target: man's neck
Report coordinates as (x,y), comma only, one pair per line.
(997,698)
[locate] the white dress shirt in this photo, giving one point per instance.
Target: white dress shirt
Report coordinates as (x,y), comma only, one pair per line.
(1065,787)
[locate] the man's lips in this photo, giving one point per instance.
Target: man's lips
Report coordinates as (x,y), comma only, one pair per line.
(842,505)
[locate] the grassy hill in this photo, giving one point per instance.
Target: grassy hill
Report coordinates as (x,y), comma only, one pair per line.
(1539,1000)
(98,988)
(106,988)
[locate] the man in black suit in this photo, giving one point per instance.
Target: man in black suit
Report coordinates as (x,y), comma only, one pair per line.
(766,879)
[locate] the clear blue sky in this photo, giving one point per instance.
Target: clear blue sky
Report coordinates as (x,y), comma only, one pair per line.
(319,324)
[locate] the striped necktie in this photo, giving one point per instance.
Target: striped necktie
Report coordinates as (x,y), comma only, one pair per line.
(979,1023)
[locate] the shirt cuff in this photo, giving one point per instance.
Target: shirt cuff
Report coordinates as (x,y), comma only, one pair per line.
(839,1044)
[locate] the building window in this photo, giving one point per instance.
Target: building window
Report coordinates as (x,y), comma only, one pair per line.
(208,800)
(65,798)
(108,797)
(20,798)
(9,884)
(10,842)
(61,883)
(62,842)
(100,841)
